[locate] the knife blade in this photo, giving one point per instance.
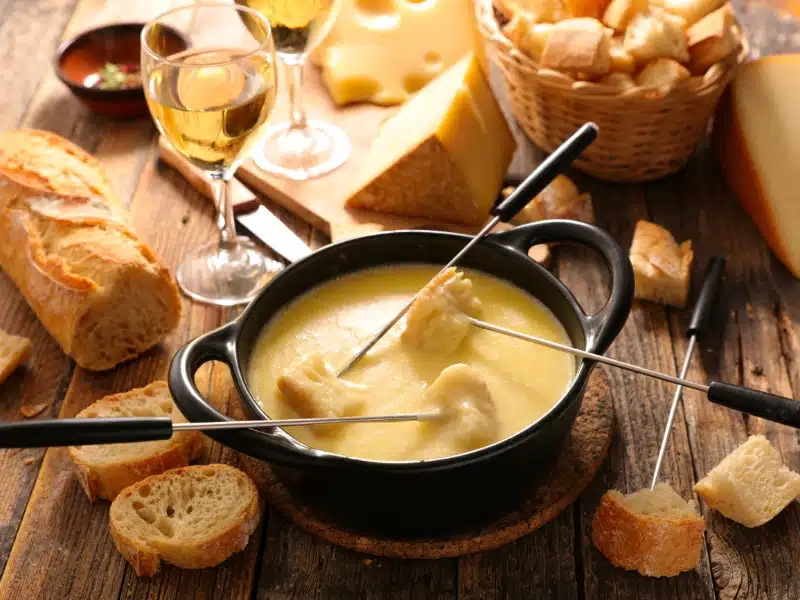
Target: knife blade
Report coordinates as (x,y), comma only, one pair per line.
(247,209)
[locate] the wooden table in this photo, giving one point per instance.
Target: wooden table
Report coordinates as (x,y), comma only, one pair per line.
(55,544)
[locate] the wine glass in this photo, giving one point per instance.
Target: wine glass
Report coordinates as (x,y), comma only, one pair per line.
(211,102)
(299,149)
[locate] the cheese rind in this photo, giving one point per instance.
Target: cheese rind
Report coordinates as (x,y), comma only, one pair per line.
(443,155)
(757,140)
(384,51)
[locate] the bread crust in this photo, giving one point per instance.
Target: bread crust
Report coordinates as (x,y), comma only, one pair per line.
(66,243)
(107,479)
(146,557)
(652,545)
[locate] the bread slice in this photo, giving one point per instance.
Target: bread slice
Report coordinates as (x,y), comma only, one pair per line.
(751,485)
(14,350)
(656,532)
(661,268)
(192,517)
(105,470)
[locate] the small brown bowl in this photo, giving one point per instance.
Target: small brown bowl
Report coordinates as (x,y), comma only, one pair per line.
(78,61)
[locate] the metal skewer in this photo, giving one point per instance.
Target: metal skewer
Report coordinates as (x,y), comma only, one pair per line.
(554,164)
(85,432)
(702,310)
(747,400)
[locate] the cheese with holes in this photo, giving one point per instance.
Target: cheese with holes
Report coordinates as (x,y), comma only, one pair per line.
(383,51)
(757,138)
(443,155)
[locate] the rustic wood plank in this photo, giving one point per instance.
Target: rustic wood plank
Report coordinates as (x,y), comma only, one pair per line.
(296,565)
(540,565)
(743,346)
(641,405)
(30,31)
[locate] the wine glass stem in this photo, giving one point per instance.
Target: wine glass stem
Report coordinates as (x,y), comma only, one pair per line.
(227,227)
(294,66)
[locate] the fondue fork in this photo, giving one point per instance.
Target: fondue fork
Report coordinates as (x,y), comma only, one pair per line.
(747,400)
(86,432)
(541,177)
(700,315)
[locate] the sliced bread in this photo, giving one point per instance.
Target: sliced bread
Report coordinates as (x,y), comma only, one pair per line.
(105,470)
(751,485)
(656,532)
(192,517)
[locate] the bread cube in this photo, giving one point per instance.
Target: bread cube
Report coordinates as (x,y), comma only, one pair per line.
(656,34)
(437,320)
(14,350)
(662,73)
(469,414)
(712,39)
(751,485)
(527,35)
(620,12)
(661,268)
(690,11)
(579,46)
(622,61)
(620,81)
(313,390)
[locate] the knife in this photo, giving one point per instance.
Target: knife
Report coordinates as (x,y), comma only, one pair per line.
(247,209)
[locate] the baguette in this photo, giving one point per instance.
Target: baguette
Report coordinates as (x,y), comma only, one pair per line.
(66,244)
(105,470)
(655,532)
(751,485)
(192,517)
(14,350)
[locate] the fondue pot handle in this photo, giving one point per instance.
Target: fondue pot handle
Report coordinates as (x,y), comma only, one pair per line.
(220,345)
(604,325)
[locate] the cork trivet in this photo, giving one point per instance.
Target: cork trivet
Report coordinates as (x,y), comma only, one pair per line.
(582,456)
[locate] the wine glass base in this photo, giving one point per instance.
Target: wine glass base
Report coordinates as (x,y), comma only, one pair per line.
(226,276)
(306,153)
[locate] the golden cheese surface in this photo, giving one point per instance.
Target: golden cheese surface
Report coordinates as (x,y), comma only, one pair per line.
(334,319)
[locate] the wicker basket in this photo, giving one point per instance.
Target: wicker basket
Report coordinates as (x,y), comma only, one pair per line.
(644,133)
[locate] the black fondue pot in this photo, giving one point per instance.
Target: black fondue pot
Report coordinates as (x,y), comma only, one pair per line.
(414,495)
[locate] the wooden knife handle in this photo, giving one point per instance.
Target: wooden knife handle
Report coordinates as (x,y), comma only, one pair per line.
(243,199)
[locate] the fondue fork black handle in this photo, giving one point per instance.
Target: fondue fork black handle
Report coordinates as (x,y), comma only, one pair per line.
(82,432)
(553,165)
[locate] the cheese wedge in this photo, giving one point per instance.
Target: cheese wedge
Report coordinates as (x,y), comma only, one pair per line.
(383,51)
(443,155)
(757,138)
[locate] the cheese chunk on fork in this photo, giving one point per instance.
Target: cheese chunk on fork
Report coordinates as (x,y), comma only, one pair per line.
(437,320)
(468,412)
(311,387)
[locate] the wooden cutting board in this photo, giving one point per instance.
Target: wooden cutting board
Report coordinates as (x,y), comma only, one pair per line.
(320,201)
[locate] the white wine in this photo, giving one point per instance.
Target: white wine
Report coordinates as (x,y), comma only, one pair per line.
(297,25)
(212,104)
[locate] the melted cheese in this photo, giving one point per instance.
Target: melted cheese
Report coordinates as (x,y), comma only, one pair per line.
(524,380)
